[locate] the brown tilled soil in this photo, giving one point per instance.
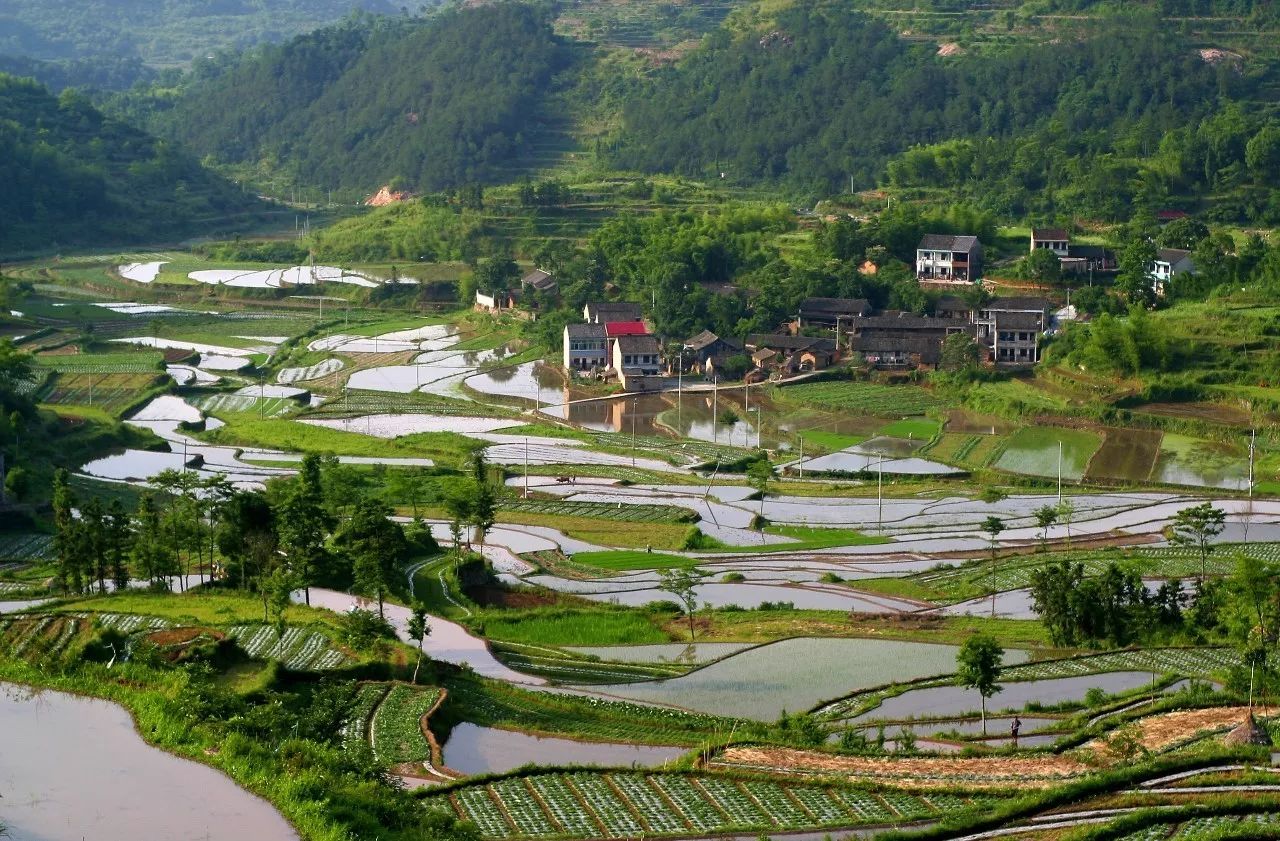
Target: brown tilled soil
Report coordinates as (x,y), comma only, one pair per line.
(1155,732)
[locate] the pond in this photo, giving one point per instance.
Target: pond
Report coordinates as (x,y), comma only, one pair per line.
(472,749)
(75,768)
(795,675)
(955,700)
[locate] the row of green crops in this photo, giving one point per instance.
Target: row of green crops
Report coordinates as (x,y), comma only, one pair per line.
(103,363)
(863,398)
(624,805)
(45,636)
(355,727)
(396,727)
(25,546)
(601,510)
(300,649)
(963,582)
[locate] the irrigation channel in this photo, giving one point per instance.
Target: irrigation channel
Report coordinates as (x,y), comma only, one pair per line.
(75,767)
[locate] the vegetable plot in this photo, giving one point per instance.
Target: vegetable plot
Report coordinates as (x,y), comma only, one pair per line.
(396,727)
(617,805)
(26,547)
(299,649)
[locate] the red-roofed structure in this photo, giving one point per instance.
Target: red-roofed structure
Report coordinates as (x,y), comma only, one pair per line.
(614,329)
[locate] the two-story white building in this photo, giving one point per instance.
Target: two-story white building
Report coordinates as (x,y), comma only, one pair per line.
(585,347)
(942,258)
(1169,263)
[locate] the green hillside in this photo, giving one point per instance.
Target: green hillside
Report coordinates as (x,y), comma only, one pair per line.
(161,32)
(830,97)
(72,174)
(434,104)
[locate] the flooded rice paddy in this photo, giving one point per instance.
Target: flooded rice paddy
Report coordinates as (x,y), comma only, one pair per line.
(473,749)
(795,675)
(74,768)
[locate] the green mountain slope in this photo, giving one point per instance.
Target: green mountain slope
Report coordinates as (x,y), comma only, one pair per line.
(162,32)
(828,97)
(433,104)
(72,175)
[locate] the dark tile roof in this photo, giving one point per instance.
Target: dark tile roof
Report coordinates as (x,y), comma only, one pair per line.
(831,307)
(899,321)
(786,342)
(611,311)
(706,339)
(538,279)
(1018,321)
(929,348)
(585,331)
(1088,252)
(946,242)
(1018,303)
(1049,234)
(637,344)
(1171,255)
(950,303)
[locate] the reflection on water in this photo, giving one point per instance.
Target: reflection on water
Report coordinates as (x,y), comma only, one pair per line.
(472,749)
(73,768)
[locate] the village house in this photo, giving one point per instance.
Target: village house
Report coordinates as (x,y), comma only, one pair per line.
(603,313)
(585,347)
(1073,258)
(1169,263)
(1010,329)
(540,281)
(791,354)
(905,340)
(830,313)
(496,301)
(637,360)
(949,306)
(942,258)
(707,352)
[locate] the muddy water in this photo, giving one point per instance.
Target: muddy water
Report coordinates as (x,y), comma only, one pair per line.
(74,768)
(486,750)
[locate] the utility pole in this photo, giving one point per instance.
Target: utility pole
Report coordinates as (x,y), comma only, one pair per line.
(715,410)
(880,496)
(800,463)
(1253,437)
(1059,472)
(526,467)
(633,432)
(680,392)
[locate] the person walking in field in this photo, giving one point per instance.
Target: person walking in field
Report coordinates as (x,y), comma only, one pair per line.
(1014,728)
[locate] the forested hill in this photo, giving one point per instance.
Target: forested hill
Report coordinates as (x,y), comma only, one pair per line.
(432,103)
(828,94)
(162,32)
(71,174)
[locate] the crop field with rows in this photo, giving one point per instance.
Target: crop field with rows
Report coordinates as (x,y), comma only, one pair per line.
(310,372)
(1205,828)
(602,510)
(43,636)
(1165,561)
(356,402)
(396,726)
(355,727)
(1186,662)
(863,398)
(103,363)
(111,393)
(300,649)
(25,546)
(269,406)
(618,805)
(571,669)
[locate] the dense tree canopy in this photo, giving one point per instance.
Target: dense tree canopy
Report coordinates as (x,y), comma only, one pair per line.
(430,103)
(71,173)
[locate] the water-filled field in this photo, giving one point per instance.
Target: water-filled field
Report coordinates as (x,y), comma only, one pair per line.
(1034,451)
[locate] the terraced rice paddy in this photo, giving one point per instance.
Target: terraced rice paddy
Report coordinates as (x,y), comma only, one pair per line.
(1191,461)
(618,805)
(102,363)
(1127,455)
(1034,451)
(310,372)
